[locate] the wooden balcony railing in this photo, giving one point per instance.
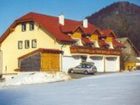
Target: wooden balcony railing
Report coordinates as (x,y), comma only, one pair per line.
(89,50)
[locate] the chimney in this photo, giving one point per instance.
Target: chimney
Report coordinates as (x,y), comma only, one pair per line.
(85,23)
(61,19)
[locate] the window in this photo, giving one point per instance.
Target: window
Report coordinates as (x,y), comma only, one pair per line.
(31,26)
(20,44)
(83,58)
(23,27)
(34,43)
(27,44)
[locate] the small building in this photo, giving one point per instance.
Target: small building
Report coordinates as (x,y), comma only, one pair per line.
(42,43)
(129,55)
(138,63)
(45,60)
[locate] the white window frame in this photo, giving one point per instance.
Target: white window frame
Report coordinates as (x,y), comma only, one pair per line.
(20,44)
(34,43)
(23,27)
(27,44)
(31,26)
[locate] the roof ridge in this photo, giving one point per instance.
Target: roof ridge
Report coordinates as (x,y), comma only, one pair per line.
(41,14)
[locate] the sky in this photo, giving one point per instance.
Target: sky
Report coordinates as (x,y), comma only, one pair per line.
(73,9)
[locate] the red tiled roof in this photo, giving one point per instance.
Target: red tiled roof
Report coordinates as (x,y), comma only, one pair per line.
(91,29)
(98,32)
(42,50)
(87,41)
(108,32)
(51,25)
(71,26)
(117,44)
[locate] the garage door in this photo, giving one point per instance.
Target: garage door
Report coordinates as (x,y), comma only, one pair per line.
(69,61)
(98,61)
(111,64)
(50,62)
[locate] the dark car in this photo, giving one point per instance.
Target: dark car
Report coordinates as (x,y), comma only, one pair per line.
(85,68)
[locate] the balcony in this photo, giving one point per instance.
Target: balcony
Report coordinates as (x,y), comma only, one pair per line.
(89,50)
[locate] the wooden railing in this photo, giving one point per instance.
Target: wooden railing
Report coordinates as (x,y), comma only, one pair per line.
(89,50)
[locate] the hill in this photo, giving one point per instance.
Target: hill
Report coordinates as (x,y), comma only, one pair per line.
(122,17)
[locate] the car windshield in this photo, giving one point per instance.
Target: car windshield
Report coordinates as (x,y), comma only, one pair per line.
(79,66)
(87,63)
(86,66)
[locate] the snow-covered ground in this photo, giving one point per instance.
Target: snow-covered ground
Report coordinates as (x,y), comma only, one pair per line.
(33,78)
(109,89)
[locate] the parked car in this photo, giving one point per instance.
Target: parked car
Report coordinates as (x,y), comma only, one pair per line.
(85,68)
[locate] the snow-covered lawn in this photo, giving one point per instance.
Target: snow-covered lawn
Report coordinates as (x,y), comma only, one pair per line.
(33,78)
(109,89)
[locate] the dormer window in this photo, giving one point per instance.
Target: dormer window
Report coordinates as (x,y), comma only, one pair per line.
(78,42)
(31,26)
(23,27)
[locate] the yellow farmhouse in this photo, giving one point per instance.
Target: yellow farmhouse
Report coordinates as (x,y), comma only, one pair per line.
(37,42)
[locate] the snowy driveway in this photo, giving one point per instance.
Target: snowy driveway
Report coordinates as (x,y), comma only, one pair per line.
(109,89)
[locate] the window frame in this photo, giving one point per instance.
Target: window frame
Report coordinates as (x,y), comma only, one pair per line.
(23,27)
(27,44)
(31,26)
(34,43)
(20,44)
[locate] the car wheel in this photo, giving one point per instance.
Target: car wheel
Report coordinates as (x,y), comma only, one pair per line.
(93,73)
(86,72)
(71,71)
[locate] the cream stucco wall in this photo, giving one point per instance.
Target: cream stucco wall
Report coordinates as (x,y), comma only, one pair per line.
(10,45)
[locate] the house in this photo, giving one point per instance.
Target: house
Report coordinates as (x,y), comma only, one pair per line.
(138,63)
(129,55)
(38,42)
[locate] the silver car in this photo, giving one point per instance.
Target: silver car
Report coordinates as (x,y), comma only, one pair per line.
(85,68)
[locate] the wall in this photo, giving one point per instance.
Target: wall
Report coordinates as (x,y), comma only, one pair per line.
(30,63)
(130,65)
(10,47)
(1,61)
(129,50)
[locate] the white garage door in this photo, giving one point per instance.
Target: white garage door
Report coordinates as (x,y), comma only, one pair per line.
(98,61)
(69,61)
(111,64)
